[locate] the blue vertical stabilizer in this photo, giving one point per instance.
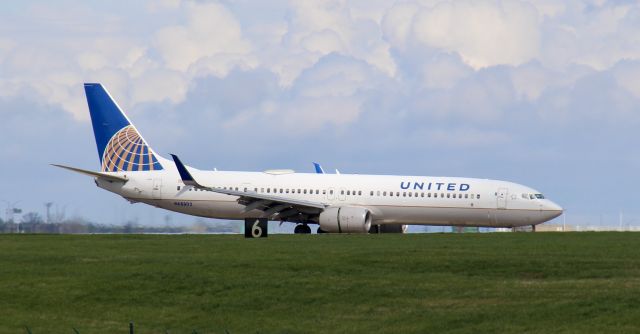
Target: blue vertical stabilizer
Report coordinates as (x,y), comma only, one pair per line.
(120,146)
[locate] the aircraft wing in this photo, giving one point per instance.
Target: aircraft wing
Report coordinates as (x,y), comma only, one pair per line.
(105,176)
(272,206)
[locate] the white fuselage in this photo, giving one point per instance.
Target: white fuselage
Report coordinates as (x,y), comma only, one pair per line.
(419,200)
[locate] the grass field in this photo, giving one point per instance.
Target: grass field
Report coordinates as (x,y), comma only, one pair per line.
(429,283)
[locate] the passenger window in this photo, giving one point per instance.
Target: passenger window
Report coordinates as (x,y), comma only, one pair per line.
(429,195)
(384,193)
(441,195)
(324,191)
(371,193)
(378,192)
(348,192)
(448,195)
(360,193)
(178,187)
(341,192)
(391,193)
(331,192)
(466,195)
(421,194)
(478,196)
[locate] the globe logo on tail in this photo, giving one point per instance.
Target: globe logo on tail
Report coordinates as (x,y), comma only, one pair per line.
(127,151)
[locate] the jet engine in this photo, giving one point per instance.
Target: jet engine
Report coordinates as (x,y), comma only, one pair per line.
(345,219)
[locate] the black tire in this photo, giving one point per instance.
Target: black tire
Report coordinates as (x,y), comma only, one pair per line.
(306,229)
(299,229)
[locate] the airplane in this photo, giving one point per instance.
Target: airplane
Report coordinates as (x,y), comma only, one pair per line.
(336,203)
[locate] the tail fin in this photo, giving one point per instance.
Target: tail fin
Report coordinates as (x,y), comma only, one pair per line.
(120,146)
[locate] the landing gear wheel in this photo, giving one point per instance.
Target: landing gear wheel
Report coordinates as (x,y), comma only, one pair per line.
(302,229)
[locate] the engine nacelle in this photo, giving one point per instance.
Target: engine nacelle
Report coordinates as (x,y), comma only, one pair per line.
(346,219)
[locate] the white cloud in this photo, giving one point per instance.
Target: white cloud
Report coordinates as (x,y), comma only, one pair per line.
(425,57)
(158,86)
(627,75)
(305,114)
(210,30)
(443,71)
(323,42)
(484,33)
(396,24)
(530,80)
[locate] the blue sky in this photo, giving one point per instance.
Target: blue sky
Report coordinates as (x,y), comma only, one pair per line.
(542,93)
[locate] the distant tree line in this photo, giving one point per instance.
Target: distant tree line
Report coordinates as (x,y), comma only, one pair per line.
(33,223)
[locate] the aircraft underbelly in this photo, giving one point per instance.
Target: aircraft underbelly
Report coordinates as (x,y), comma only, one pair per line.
(455,216)
(209,209)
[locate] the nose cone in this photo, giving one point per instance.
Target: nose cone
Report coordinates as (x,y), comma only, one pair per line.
(551,210)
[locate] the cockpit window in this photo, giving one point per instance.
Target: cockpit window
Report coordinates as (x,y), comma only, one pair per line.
(539,196)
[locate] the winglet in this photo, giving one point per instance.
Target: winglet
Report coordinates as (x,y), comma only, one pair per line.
(184,173)
(319,169)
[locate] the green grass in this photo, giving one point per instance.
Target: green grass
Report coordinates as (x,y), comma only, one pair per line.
(430,283)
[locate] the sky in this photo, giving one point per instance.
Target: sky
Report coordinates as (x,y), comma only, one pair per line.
(544,93)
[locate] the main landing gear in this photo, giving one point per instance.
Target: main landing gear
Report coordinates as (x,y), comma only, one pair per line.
(302,229)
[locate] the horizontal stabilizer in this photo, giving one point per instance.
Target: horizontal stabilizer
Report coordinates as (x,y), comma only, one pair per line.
(100,175)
